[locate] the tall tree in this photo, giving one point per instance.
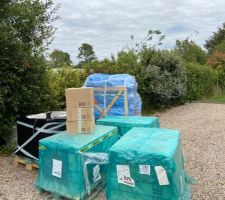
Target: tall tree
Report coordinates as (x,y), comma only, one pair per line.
(86,53)
(25,30)
(60,58)
(190,51)
(215,39)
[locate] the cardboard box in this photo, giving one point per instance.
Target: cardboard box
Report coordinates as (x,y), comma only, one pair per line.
(80,126)
(76,114)
(79,97)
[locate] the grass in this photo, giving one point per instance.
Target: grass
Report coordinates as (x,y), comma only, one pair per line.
(215,99)
(6,150)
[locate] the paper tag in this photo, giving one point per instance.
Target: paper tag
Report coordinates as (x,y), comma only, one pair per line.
(57,168)
(96,173)
(122,170)
(123,175)
(161,175)
(145,169)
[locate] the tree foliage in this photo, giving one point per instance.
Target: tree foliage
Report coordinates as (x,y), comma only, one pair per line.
(190,51)
(86,53)
(25,30)
(217,60)
(59,58)
(215,39)
(220,47)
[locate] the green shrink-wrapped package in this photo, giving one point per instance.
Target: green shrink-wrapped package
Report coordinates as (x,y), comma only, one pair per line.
(147,164)
(125,123)
(72,165)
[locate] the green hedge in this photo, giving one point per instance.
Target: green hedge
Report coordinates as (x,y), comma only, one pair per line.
(59,80)
(200,81)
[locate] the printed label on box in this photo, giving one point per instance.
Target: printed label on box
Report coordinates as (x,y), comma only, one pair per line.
(128,181)
(123,175)
(96,173)
(57,168)
(145,169)
(161,175)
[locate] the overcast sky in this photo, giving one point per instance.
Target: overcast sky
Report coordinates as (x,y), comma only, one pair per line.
(108,24)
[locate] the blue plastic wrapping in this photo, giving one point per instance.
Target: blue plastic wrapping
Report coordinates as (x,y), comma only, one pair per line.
(104,97)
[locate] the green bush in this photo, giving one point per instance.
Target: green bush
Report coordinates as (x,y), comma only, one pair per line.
(25,29)
(163,81)
(200,81)
(59,80)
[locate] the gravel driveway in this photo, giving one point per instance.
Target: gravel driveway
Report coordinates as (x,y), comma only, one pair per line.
(203,141)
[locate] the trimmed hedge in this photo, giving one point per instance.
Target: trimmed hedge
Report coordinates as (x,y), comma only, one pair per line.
(200,81)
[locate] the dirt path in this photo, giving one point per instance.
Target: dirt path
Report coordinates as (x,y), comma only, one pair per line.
(203,142)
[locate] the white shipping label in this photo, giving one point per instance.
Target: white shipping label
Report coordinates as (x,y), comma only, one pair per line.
(145,169)
(122,170)
(161,175)
(96,173)
(123,175)
(57,168)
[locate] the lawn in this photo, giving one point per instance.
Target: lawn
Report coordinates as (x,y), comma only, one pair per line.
(215,99)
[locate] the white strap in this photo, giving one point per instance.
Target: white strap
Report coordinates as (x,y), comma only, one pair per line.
(42,129)
(27,154)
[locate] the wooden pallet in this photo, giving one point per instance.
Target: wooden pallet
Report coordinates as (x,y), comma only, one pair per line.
(30,164)
(93,196)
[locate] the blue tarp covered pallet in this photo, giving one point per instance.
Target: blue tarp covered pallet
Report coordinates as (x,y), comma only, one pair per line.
(115,95)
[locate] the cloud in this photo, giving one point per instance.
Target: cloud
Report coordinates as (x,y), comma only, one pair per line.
(107,25)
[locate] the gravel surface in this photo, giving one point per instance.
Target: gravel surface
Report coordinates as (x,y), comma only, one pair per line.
(203,143)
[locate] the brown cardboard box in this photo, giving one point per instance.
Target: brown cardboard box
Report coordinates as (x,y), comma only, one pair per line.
(80,126)
(79,97)
(84,114)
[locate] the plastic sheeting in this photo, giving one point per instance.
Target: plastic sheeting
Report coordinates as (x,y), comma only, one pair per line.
(62,158)
(125,123)
(147,164)
(105,96)
(32,128)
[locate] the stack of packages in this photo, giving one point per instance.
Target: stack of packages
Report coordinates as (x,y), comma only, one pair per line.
(69,163)
(65,167)
(80,110)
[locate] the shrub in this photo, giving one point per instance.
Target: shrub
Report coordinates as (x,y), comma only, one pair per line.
(60,79)
(163,81)
(25,29)
(200,81)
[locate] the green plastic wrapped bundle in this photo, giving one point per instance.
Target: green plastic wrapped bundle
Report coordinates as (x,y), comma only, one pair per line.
(147,164)
(61,162)
(125,123)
